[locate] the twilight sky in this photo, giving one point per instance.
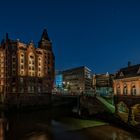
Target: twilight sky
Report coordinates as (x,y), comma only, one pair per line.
(101,34)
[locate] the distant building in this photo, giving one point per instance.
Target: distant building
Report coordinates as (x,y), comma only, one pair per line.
(127,93)
(103,84)
(77,80)
(25,68)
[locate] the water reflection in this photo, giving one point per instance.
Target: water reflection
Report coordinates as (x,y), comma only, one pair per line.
(40,125)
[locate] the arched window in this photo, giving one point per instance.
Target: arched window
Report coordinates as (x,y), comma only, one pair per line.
(118,90)
(133,90)
(125,90)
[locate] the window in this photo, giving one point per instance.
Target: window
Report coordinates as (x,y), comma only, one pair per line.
(39,74)
(13,65)
(21,90)
(0,88)
(21,80)
(125,90)
(39,89)
(118,90)
(22,61)
(31,57)
(133,90)
(14,59)
(22,67)
(2,70)
(21,72)
(29,88)
(13,72)
(33,74)
(14,89)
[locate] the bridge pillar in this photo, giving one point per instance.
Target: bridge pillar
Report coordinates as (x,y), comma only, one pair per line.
(131,117)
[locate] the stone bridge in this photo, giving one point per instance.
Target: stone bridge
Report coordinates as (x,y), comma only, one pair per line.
(84,104)
(128,109)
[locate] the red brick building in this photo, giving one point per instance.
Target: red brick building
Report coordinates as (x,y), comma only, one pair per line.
(26,69)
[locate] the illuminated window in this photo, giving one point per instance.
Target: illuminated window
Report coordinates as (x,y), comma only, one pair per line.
(125,90)
(1,88)
(133,90)
(14,89)
(39,89)
(22,61)
(29,88)
(33,74)
(39,74)
(31,65)
(21,72)
(32,89)
(2,70)
(2,65)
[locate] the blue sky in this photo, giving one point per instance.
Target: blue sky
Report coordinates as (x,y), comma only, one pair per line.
(101,34)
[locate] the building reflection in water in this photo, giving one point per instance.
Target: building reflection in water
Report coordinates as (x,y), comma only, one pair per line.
(3,126)
(39,125)
(26,126)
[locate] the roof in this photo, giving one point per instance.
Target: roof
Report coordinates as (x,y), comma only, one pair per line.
(76,68)
(130,71)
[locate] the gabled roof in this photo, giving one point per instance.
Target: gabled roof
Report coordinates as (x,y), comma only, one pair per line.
(129,71)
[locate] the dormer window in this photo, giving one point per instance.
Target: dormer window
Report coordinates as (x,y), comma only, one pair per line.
(121,74)
(138,72)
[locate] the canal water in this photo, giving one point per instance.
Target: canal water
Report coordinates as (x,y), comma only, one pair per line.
(57,125)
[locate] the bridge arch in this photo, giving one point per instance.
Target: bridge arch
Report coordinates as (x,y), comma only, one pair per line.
(123,111)
(136,113)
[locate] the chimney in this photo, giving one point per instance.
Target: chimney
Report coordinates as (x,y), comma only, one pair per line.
(129,63)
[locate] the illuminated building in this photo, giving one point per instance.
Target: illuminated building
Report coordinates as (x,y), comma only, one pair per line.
(59,81)
(127,94)
(77,80)
(26,69)
(103,84)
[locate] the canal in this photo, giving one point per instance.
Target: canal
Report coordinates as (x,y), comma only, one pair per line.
(57,124)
